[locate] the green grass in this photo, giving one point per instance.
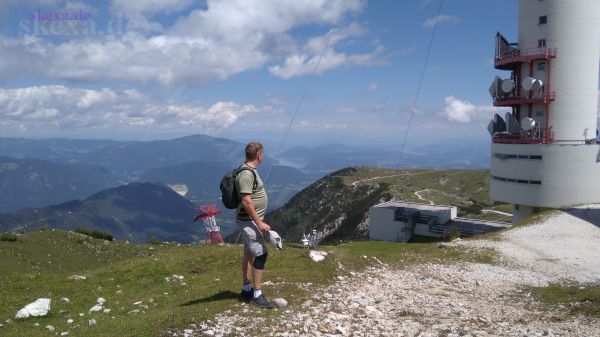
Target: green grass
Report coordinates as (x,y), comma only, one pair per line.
(39,265)
(8,237)
(579,300)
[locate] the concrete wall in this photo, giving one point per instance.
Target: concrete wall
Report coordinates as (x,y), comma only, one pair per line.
(383,227)
(569,175)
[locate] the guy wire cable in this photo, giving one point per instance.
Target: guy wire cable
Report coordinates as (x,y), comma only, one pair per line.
(312,77)
(414,105)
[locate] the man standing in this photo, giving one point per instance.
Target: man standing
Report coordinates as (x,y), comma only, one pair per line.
(249,218)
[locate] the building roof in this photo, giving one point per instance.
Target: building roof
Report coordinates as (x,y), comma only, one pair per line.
(413,205)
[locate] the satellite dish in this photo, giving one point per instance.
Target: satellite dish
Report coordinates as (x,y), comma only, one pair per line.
(500,123)
(495,87)
(491,127)
(492,89)
(527,83)
(513,125)
(527,123)
(537,85)
(507,86)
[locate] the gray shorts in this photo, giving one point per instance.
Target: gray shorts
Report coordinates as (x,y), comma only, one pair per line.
(254,242)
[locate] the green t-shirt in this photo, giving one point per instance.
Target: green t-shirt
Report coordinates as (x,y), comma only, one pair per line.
(244,183)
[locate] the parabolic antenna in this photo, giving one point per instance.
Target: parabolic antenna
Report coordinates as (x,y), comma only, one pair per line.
(500,123)
(495,87)
(527,123)
(537,85)
(507,86)
(513,125)
(491,127)
(527,83)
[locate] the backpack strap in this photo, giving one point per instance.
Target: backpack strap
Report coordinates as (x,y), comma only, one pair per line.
(242,168)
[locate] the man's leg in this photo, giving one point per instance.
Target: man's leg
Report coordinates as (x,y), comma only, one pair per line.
(246,267)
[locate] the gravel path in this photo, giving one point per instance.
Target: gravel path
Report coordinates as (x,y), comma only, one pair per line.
(565,247)
(459,299)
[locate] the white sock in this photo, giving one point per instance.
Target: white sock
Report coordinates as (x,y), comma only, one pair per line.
(257,293)
(246,287)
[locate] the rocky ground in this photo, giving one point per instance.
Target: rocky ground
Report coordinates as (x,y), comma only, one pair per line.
(458,299)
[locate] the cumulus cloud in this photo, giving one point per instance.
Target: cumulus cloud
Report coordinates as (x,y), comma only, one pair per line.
(223,38)
(439,19)
(305,60)
(462,111)
(60,107)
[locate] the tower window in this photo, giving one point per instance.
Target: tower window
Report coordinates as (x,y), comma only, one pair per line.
(541,66)
(542,20)
(542,43)
(539,112)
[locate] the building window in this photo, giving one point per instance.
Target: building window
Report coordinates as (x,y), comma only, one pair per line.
(541,66)
(542,20)
(539,112)
(542,43)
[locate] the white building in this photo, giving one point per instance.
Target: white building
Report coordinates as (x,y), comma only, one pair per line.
(399,221)
(545,151)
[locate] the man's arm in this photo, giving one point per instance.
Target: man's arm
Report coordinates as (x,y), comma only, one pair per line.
(248,206)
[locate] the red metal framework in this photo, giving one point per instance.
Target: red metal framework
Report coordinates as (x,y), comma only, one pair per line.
(508,57)
(507,60)
(544,98)
(207,215)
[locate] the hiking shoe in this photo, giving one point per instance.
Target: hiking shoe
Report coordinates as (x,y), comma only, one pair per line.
(262,302)
(247,296)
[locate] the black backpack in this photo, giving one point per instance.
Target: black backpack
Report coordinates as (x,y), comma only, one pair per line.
(229,194)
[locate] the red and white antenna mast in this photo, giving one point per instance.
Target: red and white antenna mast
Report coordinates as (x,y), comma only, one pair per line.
(207,215)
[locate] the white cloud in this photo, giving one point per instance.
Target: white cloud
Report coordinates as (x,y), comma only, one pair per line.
(439,19)
(305,61)
(307,125)
(461,111)
(373,86)
(59,107)
(224,38)
(149,6)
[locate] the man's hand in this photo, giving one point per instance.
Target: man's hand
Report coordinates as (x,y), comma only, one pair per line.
(263,226)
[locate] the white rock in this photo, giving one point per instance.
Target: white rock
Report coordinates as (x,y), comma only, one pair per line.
(92,322)
(70,321)
(50,328)
(280,302)
(96,308)
(64,333)
(100,301)
(209,332)
(65,299)
(340,330)
(106,311)
(81,314)
(40,307)
(138,302)
(317,255)
(77,277)
(36,324)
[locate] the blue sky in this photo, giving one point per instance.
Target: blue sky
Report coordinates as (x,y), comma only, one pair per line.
(238,69)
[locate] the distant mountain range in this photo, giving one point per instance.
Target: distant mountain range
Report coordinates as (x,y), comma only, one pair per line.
(134,212)
(35,183)
(319,160)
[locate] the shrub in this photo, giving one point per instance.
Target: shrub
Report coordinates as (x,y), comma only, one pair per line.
(452,234)
(154,240)
(8,237)
(94,233)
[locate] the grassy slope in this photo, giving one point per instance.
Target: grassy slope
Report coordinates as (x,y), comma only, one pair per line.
(346,195)
(39,264)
